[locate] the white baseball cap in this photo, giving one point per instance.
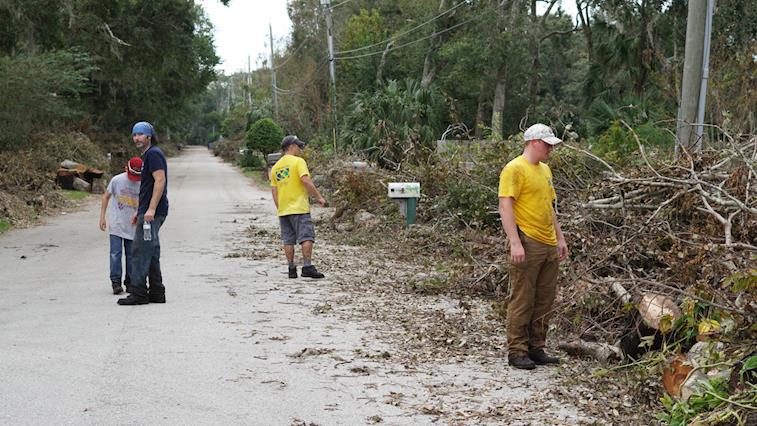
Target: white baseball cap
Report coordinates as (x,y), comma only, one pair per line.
(541,132)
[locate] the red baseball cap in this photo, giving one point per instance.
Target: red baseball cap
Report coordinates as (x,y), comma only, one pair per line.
(134,169)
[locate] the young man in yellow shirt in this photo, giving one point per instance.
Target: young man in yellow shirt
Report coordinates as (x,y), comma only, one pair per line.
(537,245)
(290,186)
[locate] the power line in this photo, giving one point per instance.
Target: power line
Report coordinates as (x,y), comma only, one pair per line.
(339,4)
(304,42)
(304,84)
(364,55)
(396,36)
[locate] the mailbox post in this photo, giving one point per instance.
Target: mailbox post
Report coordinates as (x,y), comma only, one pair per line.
(407,194)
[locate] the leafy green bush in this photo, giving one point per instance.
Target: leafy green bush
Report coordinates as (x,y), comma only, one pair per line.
(395,122)
(265,136)
(251,160)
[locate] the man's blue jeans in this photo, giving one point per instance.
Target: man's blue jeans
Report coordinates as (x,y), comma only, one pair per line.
(119,246)
(145,260)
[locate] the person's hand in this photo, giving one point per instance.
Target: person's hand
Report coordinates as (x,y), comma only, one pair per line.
(102,224)
(134,219)
(562,250)
(149,215)
(321,202)
(517,253)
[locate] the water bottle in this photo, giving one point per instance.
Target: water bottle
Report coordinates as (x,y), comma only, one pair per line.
(147,231)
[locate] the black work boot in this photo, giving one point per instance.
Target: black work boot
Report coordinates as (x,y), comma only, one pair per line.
(117,288)
(133,299)
(293,272)
(521,361)
(156,297)
(541,358)
(311,272)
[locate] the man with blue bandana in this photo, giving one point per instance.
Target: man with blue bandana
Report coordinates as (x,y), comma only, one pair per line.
(153,209)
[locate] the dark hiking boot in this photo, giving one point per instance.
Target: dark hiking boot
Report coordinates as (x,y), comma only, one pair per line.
(541,358)
(293,272)
(117,288)
(521,361)
(133,300)
(157,297)
(311,272)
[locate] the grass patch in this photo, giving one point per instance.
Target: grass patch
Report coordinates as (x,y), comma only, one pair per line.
(257,175)
(4,225)
(74,195)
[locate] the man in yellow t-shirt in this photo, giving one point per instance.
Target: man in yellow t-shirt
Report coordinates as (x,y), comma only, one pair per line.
(537,245)
(290,186)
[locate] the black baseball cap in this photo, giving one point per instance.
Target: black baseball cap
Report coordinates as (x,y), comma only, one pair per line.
(291,140)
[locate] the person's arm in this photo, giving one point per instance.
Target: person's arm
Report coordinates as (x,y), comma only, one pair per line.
(103,208)
(312,190)
(275,196)
(157,193)
(562,246)
(507,216)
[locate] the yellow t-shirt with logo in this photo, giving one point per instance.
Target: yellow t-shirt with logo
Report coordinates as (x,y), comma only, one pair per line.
(285,176)
(531,187)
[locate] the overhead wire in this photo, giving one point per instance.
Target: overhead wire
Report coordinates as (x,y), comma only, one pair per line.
(339,4)
(301,86)
(364,55)
(396,36)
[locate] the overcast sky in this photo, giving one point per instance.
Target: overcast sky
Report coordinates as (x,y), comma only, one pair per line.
(241,29)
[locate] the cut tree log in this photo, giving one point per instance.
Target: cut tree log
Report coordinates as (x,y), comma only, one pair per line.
(602,352)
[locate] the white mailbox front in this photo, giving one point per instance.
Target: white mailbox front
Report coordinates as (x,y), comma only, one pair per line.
(405,190)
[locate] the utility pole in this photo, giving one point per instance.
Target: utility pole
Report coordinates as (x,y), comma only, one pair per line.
(273,79)
(692,77)
(705,74)
(249,82)
(332,71)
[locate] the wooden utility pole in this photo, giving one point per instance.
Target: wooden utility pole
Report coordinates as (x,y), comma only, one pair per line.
(273,79)
(332,70)
(692,77)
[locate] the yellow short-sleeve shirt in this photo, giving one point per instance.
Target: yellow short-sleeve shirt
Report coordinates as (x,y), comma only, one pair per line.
(286,176)
(531,187)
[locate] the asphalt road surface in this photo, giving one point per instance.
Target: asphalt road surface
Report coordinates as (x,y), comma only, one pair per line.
(236,343)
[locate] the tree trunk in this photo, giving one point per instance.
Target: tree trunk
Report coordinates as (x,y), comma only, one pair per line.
(692,75)
(534,50)
(429,63)
(382,64)
(498,107)
(480,111)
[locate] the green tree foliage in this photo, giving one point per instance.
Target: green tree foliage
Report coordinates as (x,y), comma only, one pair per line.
(265,136)
(149,59)
(361,30)
(39,93)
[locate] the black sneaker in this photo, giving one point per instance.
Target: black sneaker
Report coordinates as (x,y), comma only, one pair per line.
(521,361)
(117,288)
(157,297)
(133,300)
(311,272)
(540,357)
(293,271)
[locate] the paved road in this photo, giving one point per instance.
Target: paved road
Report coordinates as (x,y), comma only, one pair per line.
(70,355)
(237,342)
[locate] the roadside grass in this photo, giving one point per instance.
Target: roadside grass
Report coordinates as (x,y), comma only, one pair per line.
(4,225)
(257,175)
(74,195)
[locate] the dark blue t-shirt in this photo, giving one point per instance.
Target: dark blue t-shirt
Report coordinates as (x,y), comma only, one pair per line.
(152,160)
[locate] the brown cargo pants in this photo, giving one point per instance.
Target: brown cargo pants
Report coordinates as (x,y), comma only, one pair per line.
(533,286)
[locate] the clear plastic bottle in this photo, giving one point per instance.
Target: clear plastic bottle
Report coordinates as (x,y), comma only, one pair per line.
(147,231)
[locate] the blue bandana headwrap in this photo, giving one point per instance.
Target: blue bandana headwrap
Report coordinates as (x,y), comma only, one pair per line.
(144,128)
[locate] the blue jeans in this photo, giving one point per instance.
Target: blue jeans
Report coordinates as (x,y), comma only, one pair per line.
(145,260)
(119,246)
